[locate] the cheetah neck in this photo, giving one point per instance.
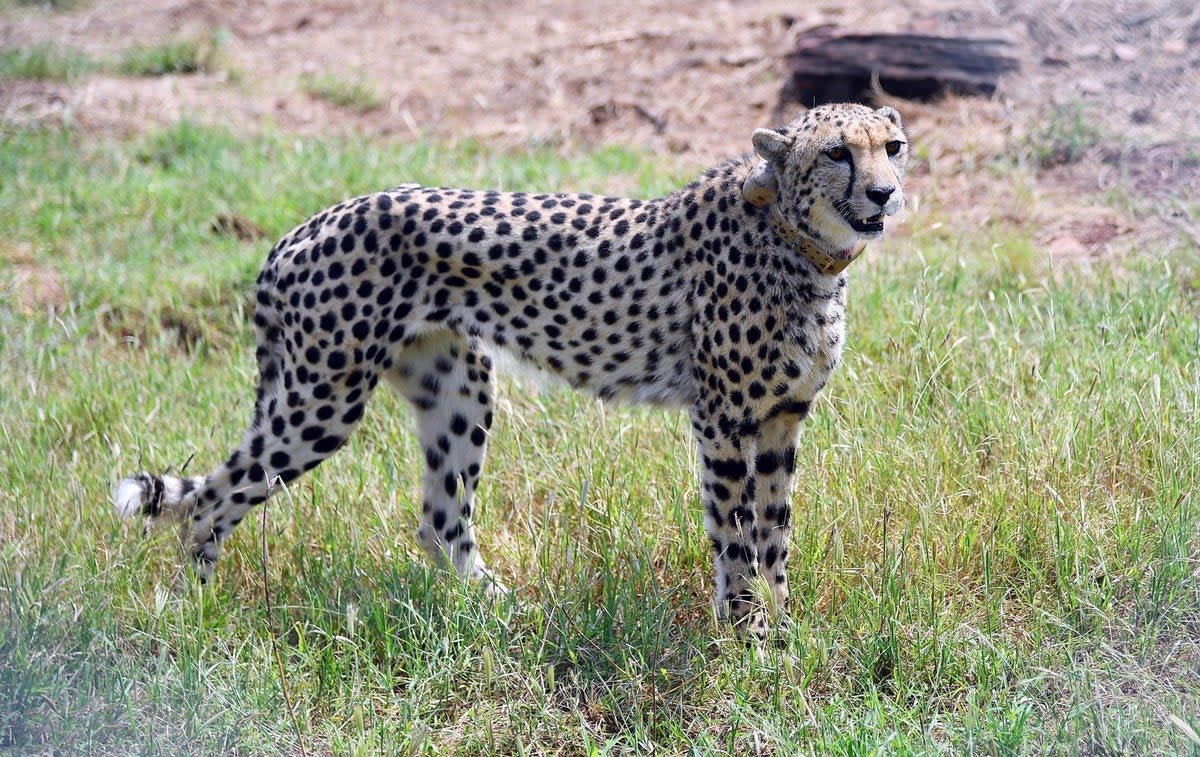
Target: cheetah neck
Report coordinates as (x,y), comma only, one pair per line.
(824,262)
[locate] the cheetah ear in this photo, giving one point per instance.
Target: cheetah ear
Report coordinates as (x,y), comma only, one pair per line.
(890,114)
(771,145)
(761,186)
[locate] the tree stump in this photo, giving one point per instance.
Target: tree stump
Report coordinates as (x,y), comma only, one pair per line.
(832,65)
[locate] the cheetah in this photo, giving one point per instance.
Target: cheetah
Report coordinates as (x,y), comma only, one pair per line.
(726,297)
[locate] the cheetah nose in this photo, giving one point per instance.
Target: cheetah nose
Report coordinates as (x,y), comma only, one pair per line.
(880,195)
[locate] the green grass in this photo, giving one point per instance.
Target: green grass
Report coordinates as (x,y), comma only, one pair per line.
(996,553)
(1064,136)
(178,56)
(53,5)
(356,95)
(46,61)
(51,61)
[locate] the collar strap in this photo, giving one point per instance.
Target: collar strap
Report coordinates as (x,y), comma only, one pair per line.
(824,262)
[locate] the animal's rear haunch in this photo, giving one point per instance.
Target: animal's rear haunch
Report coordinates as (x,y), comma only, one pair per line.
(725,297)
(272,453)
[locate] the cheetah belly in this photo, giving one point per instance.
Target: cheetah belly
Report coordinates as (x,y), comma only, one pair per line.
(598,338)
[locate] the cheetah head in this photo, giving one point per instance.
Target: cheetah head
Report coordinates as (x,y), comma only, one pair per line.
(834,174)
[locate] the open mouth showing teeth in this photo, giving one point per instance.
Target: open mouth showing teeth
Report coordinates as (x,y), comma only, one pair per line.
(869,225)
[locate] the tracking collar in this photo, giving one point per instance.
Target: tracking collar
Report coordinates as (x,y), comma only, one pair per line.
(760,189)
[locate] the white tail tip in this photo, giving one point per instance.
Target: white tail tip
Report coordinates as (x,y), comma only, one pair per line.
(128,497)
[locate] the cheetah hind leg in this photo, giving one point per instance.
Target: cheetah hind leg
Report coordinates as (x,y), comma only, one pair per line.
(449,382)
(290,433)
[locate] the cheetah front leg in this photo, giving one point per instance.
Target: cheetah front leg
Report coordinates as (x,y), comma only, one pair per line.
(727,488)
(774,463)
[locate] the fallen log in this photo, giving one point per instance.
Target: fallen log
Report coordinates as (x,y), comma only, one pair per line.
(832,65)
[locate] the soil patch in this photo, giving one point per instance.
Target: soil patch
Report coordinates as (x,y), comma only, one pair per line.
(674,76)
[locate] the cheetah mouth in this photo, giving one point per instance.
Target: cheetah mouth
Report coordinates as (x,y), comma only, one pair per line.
(869,225)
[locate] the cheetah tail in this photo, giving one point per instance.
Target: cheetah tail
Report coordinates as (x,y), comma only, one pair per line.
(151,496)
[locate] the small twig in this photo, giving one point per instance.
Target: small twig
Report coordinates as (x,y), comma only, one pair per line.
(611,109)
(627,35)
(887,518)
(407,116)
(682,65)
(183,468)
(287,697)
(603,40)
(1188,230)
(660,123)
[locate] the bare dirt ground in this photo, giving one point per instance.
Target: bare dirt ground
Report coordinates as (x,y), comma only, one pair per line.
(676,76)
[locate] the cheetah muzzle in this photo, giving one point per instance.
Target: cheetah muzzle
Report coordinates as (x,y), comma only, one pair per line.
(726,298)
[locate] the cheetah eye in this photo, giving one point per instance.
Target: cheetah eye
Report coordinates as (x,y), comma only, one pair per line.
(838,154)
(893,147)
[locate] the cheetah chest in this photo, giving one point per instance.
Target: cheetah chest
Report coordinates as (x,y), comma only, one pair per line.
(821,351)
(812,346)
